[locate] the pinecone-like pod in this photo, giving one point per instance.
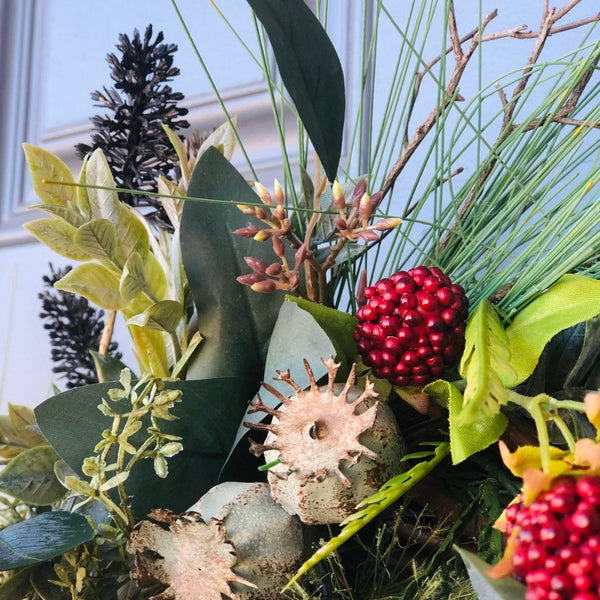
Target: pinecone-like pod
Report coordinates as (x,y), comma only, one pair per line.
(336,444)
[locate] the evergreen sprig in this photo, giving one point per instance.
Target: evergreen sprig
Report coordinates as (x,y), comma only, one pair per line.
(131,134)
(74,328)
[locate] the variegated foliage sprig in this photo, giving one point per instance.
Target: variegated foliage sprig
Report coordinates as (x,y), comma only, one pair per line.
(316,243)
(121,447)
(126,266)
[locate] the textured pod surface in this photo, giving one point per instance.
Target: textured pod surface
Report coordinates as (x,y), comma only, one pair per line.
(337,445)
(267,540)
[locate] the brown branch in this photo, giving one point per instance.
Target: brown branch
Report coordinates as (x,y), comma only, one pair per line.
(109,326)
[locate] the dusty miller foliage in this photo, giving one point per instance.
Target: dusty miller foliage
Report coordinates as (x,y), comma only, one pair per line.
(74,328)
(130,134)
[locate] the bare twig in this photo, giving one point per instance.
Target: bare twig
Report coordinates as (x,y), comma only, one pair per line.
(109,325)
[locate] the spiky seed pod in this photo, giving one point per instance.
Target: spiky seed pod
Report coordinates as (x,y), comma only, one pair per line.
(267,540)
(131,133)
(337,444)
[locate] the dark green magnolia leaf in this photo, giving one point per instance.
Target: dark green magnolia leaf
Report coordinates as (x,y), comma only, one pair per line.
(41,538)
(234,321)
(208,417)
(16,584)
(30,477)
(311,71)
(486,587)
(108,368)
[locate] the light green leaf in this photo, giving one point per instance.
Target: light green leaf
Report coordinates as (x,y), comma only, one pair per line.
(58,236)
(83,199)
(485,365)
(94,282)
(181,152)
(571,300)
(131,233)
(485,586)
(155,277)
(466,440)
(133,279)
(98,238)
(104,203)
(30,477)
(222,138)
(44,165)
(162,316)
(67,214)
(42,537)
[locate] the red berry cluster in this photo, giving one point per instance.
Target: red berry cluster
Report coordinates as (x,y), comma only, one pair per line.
(557,544)
(412,325)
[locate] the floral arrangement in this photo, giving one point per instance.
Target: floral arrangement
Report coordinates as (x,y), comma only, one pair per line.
(335,395)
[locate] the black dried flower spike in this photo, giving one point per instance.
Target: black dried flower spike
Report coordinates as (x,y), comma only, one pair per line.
(131,135)
(74,328)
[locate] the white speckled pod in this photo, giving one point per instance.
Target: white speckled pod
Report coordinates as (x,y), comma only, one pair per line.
(267,540)
(337,445)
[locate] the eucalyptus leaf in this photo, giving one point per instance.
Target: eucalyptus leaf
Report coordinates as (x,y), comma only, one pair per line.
(161,316)
(208,417)
(486,587)
(98,238)
(30,477)
(58,236)
(571,300)
(235,321)
(96,283)
(42,537)
(311,71)
(45,166)
(108,368)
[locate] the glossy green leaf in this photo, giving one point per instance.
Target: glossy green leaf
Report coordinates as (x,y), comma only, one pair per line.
(235,321)
(162,316)
(485,364)
(466,440)
(96,283)
(339,327)
(42,537)
(208,417)
(30,477)
(486,587)
(311,71)
(58,236)
(98,238)
(44,165)
(571,300)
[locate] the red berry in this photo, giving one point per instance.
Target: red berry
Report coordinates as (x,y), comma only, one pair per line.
(412,325)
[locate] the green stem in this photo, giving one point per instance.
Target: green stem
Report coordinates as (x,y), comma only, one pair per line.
(565,431)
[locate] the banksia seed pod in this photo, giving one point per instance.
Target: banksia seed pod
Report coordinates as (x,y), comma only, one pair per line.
(336,444)
(412,325)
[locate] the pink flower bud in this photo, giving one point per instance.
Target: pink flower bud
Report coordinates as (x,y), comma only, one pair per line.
(341,224)
(364,208)
(261,213)
(250,278)
(247,232)
(279,213)
(278,193)
(258,266)
(376,199)
(359,191)
(278,246)
(263,235)
(300,256)
(273,270)
(339,201)
(293,281)
(368,235)
(264,287)
(263,193)
(247,210)
(389,223)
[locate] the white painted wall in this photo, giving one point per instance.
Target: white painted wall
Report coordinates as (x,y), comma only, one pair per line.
(52,55)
